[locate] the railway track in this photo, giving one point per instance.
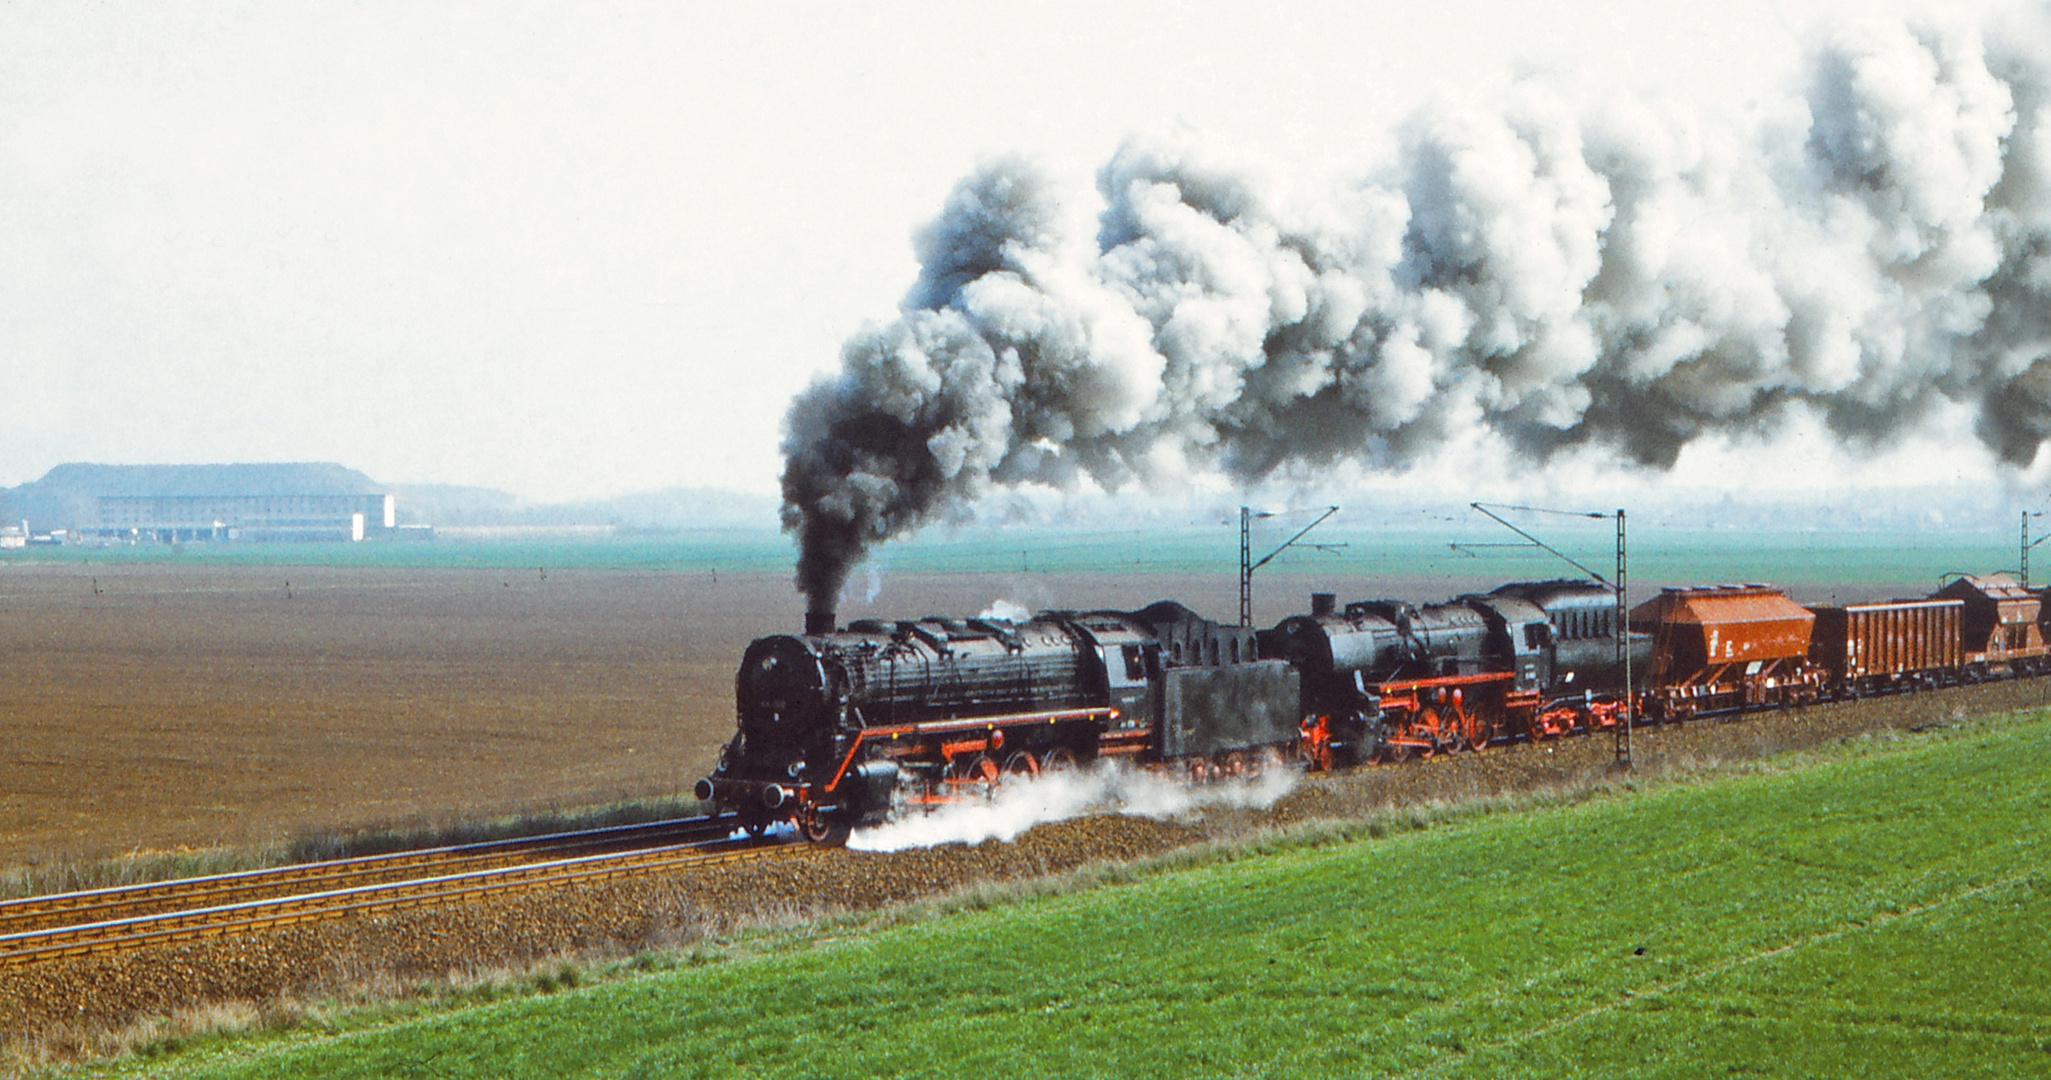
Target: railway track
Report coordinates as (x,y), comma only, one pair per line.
(103,920)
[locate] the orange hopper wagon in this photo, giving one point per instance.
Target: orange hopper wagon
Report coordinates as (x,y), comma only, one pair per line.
(1725,647)
(1999,629)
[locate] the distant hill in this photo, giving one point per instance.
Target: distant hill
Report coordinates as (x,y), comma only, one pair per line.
(657,511)
(65,497)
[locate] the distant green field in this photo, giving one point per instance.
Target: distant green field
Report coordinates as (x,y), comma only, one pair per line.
(1657,554)
(1880,913)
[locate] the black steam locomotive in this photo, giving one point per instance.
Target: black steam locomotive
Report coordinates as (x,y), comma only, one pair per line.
(1386,679)
(835,726)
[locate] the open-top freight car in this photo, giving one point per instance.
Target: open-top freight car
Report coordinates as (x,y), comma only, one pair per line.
(1888,646)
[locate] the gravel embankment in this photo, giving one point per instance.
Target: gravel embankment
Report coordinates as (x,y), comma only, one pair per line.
(387,952)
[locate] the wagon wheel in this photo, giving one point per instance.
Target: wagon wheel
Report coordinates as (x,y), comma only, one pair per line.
(1058,759)
(1397,753)
(1201,771)
(1021,763)
(1237,765)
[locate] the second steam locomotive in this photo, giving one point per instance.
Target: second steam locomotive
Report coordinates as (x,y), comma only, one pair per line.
(838,724)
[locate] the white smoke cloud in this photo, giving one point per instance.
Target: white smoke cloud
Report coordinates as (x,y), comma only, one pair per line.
(1002,610)
(1020,803)
(1622,277)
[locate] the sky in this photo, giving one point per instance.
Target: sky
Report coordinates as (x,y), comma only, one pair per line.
(573,251)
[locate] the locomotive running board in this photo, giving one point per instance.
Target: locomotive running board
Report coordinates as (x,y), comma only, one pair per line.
(949,727)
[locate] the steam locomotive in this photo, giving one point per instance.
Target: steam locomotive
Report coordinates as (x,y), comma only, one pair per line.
(837,725)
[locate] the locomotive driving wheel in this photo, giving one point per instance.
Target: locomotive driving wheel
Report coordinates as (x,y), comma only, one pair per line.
(1021,763)
(826,830)
(978,773)
(1480,733)
(1058,759)
(1444,729)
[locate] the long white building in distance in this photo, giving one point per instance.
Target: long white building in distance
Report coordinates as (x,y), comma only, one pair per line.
(185,503)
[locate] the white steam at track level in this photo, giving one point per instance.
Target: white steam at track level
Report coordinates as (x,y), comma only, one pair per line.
(1023,802)
(1621,276)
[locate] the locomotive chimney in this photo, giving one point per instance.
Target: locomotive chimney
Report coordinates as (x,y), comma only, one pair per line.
(1323,603)
(819,622)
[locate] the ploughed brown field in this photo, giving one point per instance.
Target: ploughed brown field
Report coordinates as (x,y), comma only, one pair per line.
(158,707)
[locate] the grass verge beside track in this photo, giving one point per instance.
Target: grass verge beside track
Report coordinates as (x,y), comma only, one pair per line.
(1876,911)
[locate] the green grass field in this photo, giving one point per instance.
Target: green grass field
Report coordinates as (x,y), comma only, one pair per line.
(1879,911)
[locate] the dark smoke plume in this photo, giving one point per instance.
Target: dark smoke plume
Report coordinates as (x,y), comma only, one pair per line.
(1627,278)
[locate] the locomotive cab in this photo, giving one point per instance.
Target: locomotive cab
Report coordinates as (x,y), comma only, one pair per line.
(1519,637)
(1581,618)
(1127,666)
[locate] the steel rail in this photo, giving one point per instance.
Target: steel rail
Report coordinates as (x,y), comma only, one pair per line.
(194,924)
(101,905)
